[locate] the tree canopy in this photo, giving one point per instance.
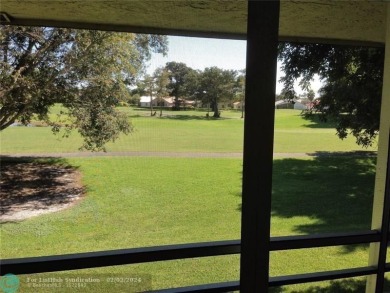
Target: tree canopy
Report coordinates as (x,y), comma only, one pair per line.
(217,85)
(180,78)
(352,84)
(161,79)
(211,86)
(88,72)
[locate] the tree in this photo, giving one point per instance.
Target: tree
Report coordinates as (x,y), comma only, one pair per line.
(217,85)
(161,80)
(240,89)
(178,81)
(192,85)
(149,87)
(279,97)
(134,99)
(310,95)
(87,71)
(352,77)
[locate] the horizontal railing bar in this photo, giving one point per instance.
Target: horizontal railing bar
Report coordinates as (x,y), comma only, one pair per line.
(117,257)
(321,276)
(387,267)
(321,240)
(277,281)
(170,252)
(206,288)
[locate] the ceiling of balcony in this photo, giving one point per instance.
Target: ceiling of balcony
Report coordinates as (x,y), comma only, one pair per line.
(332,20)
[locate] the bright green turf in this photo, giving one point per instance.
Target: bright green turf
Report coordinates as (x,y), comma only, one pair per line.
(134,202)
(187,131)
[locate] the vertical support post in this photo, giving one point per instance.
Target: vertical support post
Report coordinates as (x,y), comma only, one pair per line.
(380,278)
(381,178)
(261,66)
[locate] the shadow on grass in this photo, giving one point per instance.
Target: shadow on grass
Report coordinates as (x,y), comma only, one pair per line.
(30,185)
(179,117)
(192,117)
(344,154)
(316,121)
(335,193)
(331,194)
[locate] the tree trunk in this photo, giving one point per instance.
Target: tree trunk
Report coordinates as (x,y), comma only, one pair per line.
(151,105)
(217,114)
(177,104)
(242,109)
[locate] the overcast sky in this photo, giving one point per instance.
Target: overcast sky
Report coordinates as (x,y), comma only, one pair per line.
(199,53)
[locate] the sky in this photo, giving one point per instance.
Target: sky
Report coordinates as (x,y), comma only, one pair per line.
(199,53)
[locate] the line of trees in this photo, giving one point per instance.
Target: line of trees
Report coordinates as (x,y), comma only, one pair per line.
(89,72)
(211,86)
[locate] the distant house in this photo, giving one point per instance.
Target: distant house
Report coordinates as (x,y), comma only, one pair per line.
(163,102)
(224,105)
(221,105)
(282,104)
(299,106)
(145,101)
(170,102)
(190,103)
(238,105)
(166,102)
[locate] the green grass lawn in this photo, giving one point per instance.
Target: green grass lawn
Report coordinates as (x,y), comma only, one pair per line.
(193,200)
(188,131)
(148,201)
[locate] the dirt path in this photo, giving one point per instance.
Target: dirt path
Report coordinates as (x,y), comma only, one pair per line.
(30,189)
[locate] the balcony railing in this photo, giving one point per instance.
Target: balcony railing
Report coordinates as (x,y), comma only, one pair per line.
(77,261)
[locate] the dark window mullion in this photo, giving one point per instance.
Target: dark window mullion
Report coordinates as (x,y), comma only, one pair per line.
(385,230)
(261,64)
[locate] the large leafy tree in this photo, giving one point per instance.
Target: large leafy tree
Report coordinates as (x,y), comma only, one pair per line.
(352,84)
(192,85)
(87,71)
(179,79)
(217,85)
